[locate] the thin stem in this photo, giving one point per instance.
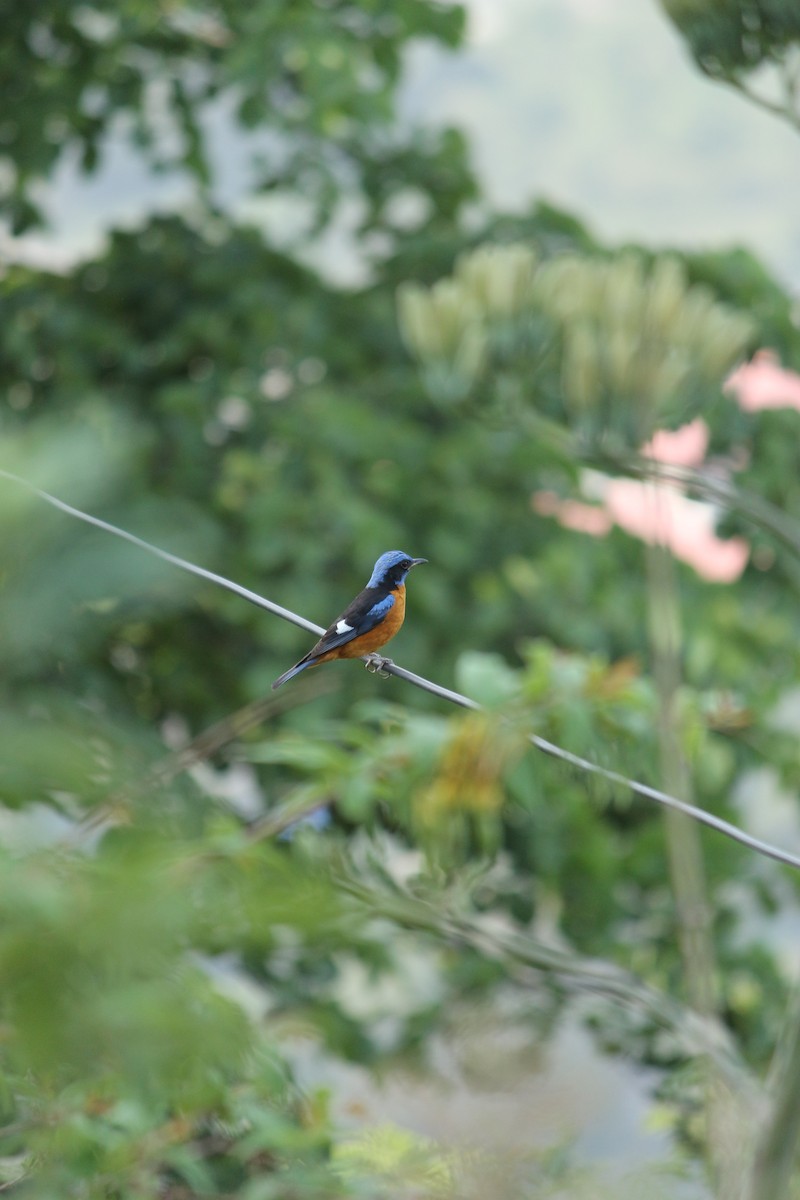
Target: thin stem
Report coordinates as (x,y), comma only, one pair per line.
(525,956)
(776,108)
(114,811)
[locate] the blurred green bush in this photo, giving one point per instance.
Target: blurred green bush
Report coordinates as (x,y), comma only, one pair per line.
(197,386)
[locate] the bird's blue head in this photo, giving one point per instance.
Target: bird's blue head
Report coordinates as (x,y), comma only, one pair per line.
(391,569)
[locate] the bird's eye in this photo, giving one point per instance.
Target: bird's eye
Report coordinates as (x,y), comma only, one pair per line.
(405,564)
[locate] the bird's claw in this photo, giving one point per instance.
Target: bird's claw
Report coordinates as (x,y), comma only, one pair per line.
(376,664)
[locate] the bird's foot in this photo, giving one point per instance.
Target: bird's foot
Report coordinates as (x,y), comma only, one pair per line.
(377,664)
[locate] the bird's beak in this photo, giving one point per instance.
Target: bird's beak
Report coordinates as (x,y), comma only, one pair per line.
(416,561)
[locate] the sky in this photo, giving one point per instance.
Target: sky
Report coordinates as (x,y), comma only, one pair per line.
(596,106)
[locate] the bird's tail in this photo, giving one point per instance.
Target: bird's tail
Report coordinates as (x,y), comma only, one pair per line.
(295,670)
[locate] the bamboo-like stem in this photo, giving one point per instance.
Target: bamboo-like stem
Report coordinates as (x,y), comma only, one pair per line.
(776,1152)
(684,853)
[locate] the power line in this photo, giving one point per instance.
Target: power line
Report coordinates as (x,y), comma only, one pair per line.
(427,685)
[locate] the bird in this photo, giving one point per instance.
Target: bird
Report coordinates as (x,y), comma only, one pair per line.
(369,622)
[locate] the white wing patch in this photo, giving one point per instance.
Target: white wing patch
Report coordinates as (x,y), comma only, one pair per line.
(343,627)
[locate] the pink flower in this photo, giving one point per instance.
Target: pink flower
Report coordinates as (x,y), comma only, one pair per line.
(764,383)
(573,514)
(684,447)
(658,512)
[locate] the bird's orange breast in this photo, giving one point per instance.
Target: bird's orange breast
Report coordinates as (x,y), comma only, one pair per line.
(381,634)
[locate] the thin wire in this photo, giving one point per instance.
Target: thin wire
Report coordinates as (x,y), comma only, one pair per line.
(184,565)
(426,685)
(640,789)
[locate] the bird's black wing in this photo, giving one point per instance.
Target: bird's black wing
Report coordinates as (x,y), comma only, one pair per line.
(367,610)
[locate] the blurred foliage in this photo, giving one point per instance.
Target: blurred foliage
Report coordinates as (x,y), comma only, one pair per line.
(125,1064)
(290,442)
(312,80)
(199,387)
(732,40)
